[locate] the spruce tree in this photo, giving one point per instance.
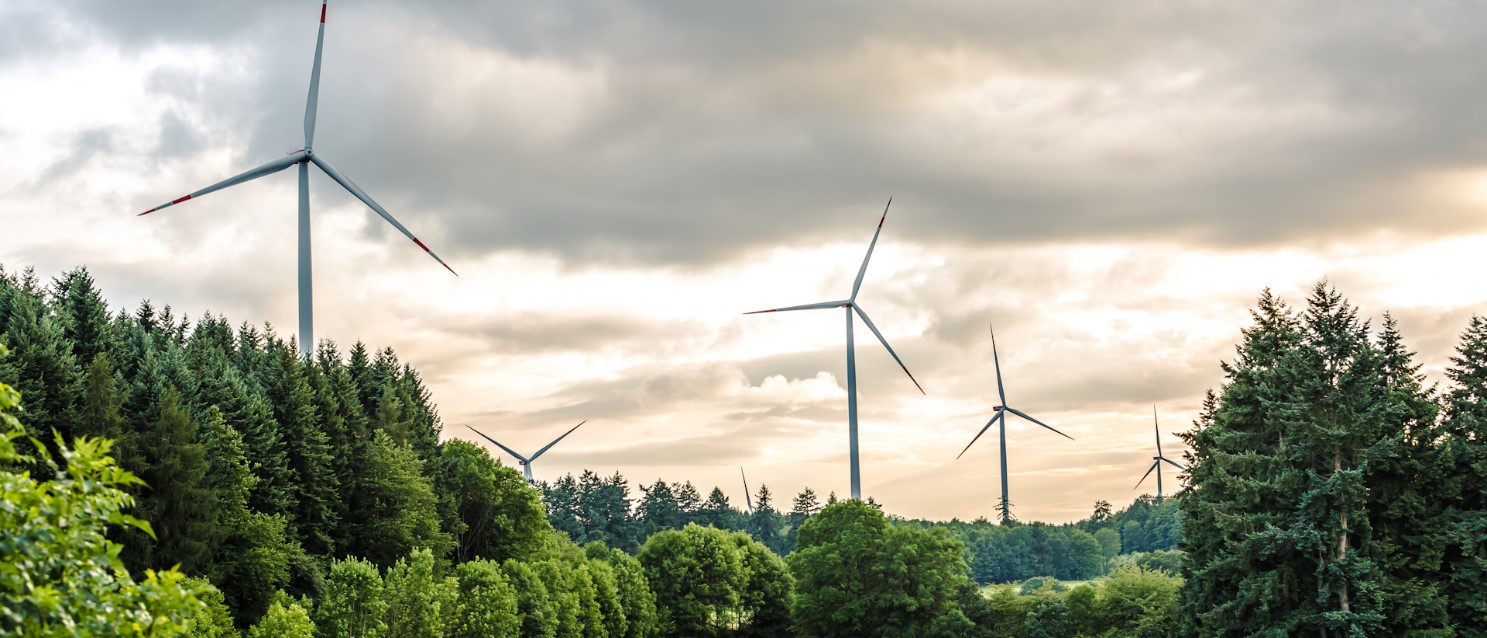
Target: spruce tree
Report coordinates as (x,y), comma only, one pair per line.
(178,503)
(1464,460)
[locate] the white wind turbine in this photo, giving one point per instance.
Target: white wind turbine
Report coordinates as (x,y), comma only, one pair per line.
(304,157)
(526,461)
(851,306)
(1156,463)
(1001,420)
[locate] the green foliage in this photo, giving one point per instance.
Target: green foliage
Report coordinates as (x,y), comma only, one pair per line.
(214,620)
(535,608)
(353,606)
(486,604)
(698,576)
(1139,603)
(856,575)
(286,618)
(396,507)
(59,573)
(1307,507)
(635,595)
(419,604)
(490,509)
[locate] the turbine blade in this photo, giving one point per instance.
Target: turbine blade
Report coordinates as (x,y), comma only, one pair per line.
(748,498)
(1154,428)
(314,100)
(377,208)
(1148,473)
(498,444)
(883,341)
(1025,416)
(1001,392)
(1173,464)
(857,285)
(267,169)
(984,428)
(555,441)
(809,306)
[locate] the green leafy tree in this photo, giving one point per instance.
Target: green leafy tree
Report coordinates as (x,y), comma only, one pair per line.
(214,620)
(59,573)
(419,604)
(698,577)
(856,575)
(486,604)
(635,595)
(769,593)
(490,510)
(286,618)
(1136,602)
(353,606)
(536,609)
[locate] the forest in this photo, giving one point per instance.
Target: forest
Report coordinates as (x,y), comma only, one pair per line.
(163,476)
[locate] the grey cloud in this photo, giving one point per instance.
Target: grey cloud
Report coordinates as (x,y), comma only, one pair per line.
(772,123)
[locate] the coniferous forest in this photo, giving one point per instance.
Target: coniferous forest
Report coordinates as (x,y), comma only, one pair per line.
(164,475)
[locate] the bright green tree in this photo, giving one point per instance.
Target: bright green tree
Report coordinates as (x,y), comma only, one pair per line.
(489,509)
(59,573)
(486,603)
(857,575)
(353,606)
(698,577)
(419,604)
(286,618)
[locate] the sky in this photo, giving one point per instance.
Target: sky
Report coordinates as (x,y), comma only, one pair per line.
(1111,184)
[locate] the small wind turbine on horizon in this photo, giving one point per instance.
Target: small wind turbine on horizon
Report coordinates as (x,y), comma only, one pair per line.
(851,306)
(304,157)
(748,500)
(1001,420)
(524,461)
(1157,460)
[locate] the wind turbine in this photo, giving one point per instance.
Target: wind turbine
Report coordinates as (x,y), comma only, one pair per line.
(748,500)
(1001,420)
(1156,463)
(523,461)
(304,157)
(851,306)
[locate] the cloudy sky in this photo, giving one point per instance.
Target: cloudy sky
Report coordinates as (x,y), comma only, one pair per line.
(616,182)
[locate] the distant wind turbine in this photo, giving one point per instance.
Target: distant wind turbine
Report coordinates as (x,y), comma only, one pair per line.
(851,306)
(524,461)
(748,500)
(1156,463)
(304,157)
(1001,420)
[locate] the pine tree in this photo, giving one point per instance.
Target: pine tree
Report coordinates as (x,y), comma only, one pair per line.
(658,508)
(307,451)
(179,503)
(82,313)
(1464,457)
(718,512)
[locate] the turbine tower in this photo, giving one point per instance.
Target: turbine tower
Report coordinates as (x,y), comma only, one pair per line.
(850,305)
(1001,420)
(523,461)
(303,158)
(1156,463)
(748,500)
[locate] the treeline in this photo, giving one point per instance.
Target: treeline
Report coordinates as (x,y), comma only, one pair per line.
(1075,551)
(1331,491)
(594,508)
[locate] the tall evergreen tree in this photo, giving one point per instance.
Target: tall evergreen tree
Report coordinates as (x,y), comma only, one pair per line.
(1464,460)
(179,502)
